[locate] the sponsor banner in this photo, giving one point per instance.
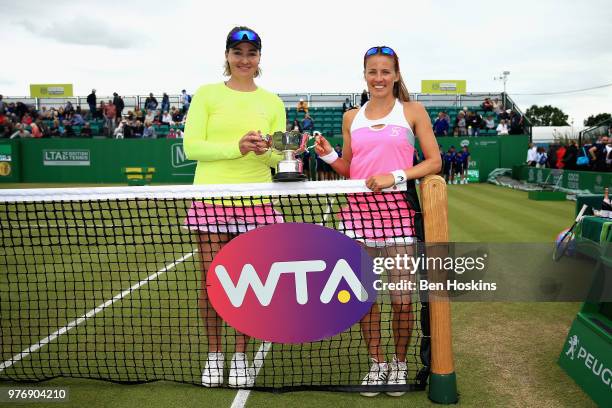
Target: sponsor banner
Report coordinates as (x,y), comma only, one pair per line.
(576,180)
(66,157)
(181,166)
(6,152)
(51,90)
(586,356)
(443,86)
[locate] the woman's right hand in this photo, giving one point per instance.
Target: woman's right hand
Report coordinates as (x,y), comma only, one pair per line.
(322,146)
(252,142)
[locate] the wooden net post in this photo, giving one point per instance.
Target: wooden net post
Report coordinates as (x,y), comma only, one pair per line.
(443,381)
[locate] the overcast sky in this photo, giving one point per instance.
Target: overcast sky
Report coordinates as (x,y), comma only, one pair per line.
(136,47)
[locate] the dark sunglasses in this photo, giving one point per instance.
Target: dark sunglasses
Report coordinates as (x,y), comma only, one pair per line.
(244,35)
(380,50)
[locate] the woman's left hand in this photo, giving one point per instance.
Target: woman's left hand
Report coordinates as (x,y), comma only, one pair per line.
(380,182)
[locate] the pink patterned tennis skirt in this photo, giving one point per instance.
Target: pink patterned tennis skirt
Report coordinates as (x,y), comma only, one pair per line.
(216,218)
(378,219)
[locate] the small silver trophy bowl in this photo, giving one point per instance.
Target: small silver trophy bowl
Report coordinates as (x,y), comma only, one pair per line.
(289,168)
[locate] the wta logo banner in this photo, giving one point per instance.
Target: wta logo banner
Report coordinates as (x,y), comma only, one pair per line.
(291,283)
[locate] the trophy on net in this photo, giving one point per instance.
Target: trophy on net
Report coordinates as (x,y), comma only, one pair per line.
(289,168)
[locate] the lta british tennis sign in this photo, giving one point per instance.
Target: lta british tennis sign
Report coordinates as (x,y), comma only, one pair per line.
(292,283)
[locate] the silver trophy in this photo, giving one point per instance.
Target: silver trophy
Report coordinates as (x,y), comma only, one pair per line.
(289,168)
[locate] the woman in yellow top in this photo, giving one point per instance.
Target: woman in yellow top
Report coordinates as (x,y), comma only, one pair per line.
(223,134)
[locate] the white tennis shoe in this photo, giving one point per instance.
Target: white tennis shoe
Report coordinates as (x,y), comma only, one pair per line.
(376,376)
(241,375)
(397,376)
(212,375)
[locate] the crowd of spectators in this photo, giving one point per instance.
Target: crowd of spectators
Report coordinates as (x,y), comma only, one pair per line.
(472,123)
(106,118)
(592,156)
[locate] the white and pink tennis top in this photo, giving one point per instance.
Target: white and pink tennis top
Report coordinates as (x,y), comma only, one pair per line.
(380,151)
(380,219)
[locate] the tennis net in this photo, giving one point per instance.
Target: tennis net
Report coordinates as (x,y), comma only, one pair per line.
(106,283)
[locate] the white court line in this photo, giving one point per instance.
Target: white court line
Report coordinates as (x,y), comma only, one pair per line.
(91,313)
(241,397)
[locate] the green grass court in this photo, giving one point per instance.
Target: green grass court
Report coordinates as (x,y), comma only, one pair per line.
(505,353)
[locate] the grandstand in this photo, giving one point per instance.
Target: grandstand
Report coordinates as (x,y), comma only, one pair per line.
(325,109)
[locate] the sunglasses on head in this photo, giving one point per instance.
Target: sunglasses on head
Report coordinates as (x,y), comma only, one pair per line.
(244,35)
(380,50)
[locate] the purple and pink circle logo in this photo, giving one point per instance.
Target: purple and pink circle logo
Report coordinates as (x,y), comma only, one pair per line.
(291,283)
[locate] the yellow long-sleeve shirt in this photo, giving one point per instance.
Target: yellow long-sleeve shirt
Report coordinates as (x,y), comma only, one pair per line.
(218,118)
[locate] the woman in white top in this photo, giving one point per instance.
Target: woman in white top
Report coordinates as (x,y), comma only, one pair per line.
(502,128)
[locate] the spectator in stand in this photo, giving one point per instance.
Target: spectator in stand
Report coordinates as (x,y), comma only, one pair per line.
(21,132)
(302,106)
(150,116)
(505,115)
(68,109)
(460,124)
(27,119)
(185,99)
(56,130)
(77,120)
(128,129)
(118,133)
(42,126)
(489,122)
(86,130)
(165,105)
(119,106)
(138,129)
(364,97)
(474,122)
(20,110)
(177,115)
(157,119)
(560,153)
(167,119)
(110,114)
(487,105)
(497,106)
(138,114)
(516,123)
(531,155)
(151,103)
(307,123)
(2,106)
(92,102)
(440,126)
(571,155)
(541,157)
(36,131)
(502,128)
(296,125)
(347,105)
(149,131)
(100,111)
(598,154)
